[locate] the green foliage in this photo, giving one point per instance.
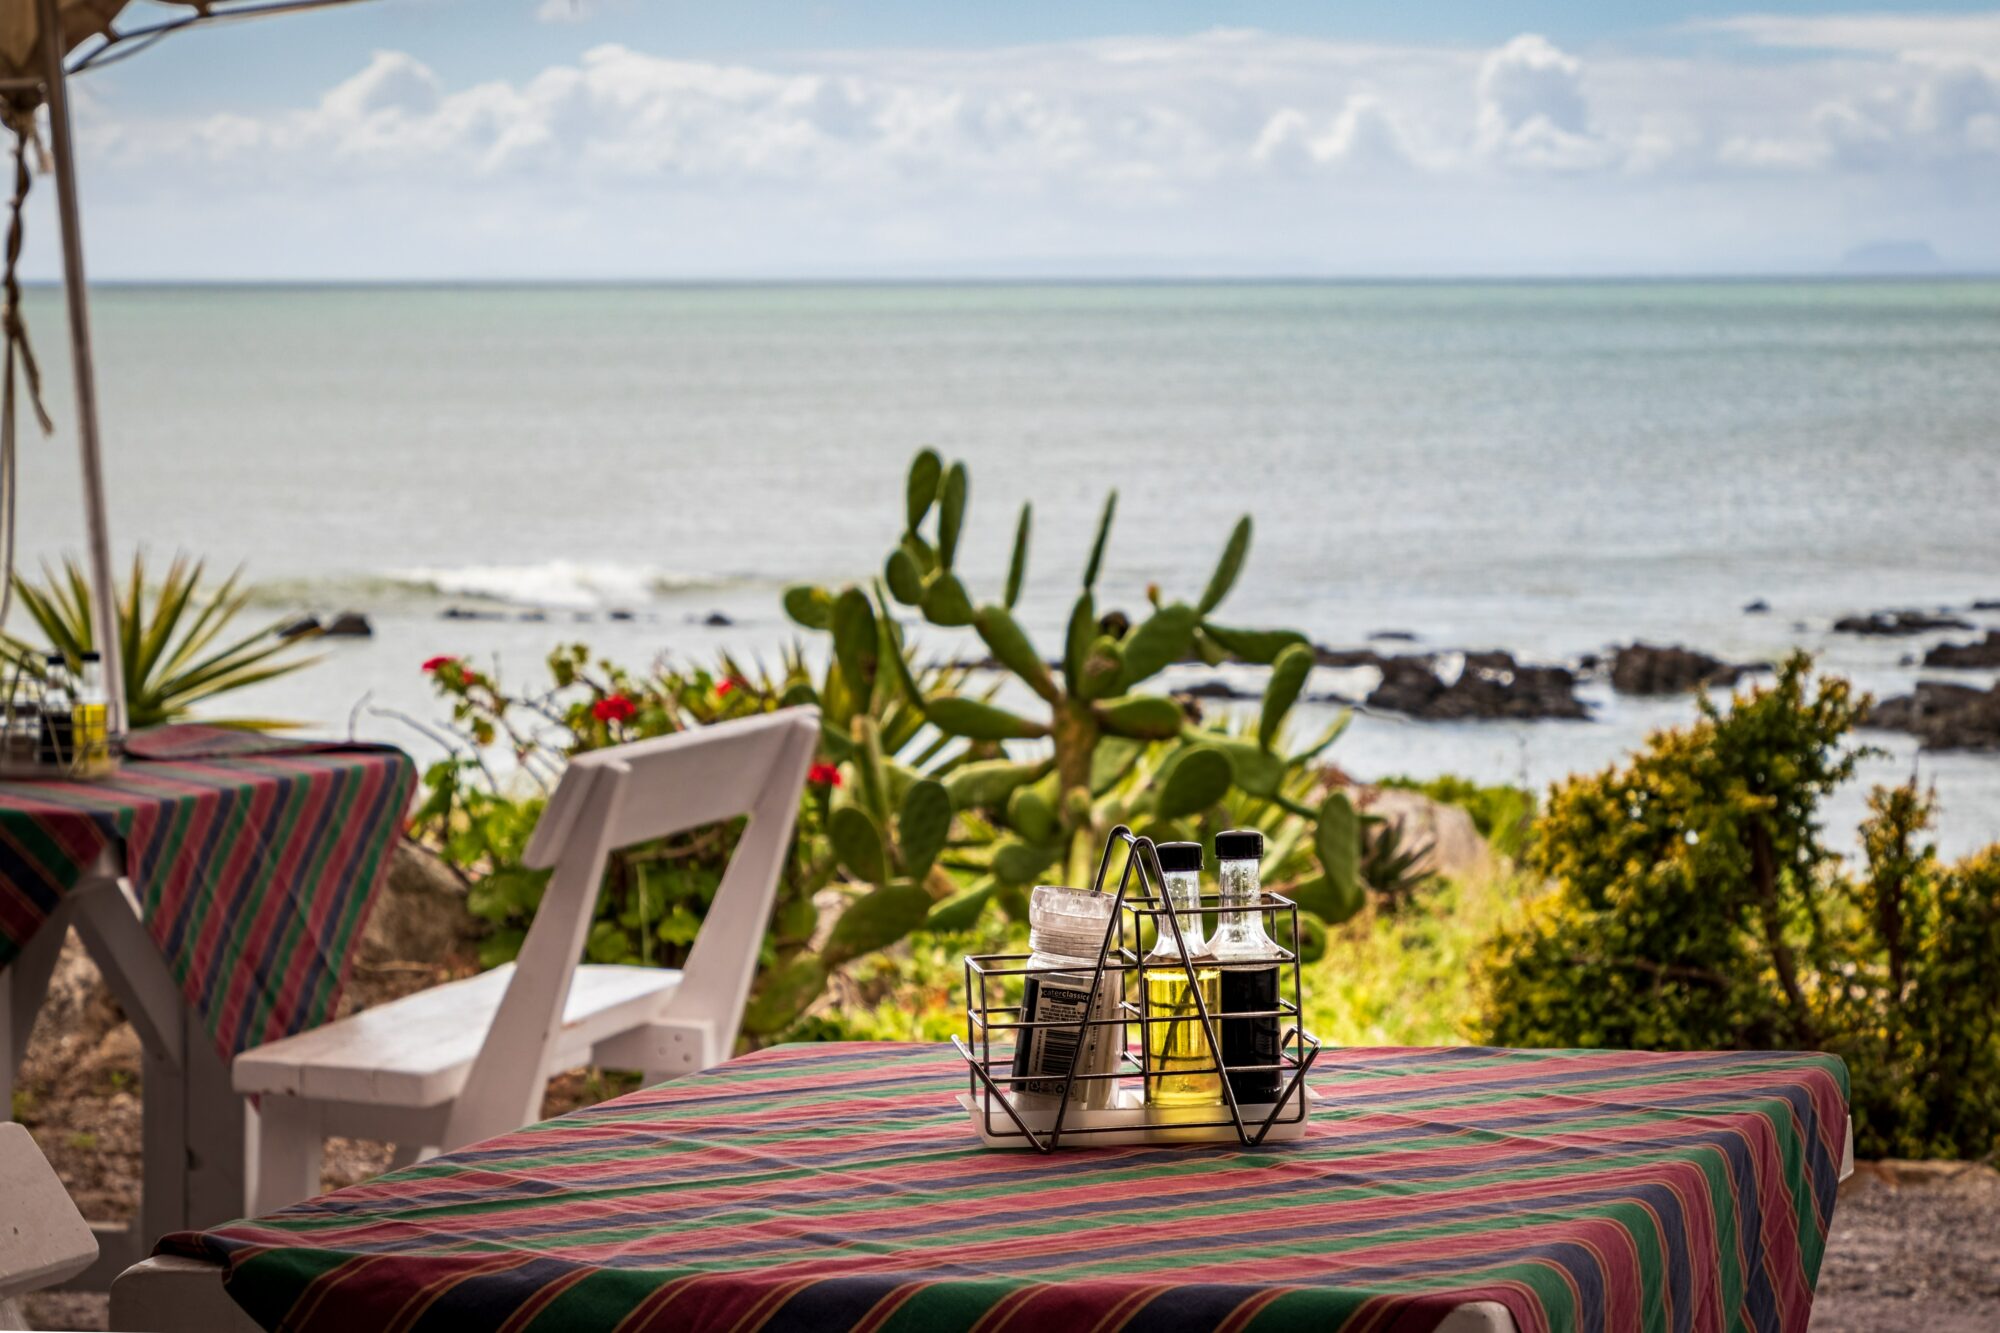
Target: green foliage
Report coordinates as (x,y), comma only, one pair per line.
(655,895)
(171,642)
(1694,907)
(1503,815)
(1121,754)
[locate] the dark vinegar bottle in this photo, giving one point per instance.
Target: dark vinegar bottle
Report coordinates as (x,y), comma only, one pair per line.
(1250,970)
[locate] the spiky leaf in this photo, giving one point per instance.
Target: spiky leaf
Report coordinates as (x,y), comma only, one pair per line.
(925,469)
(976,721)
(877,920)
(905,580)
(1288,677)
(1228,567)
(809,605)
(856,646)
(1261,646)
(1017,568)
(1198,781)
(1097,546)
(1326,738)
(858,843)
(1146,717)
(1010,644)
(945,601)
(1164,638)
(951,512)
(922,825)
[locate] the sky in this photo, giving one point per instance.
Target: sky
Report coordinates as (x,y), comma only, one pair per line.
(610,139)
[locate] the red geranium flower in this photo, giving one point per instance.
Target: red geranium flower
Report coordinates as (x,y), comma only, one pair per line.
(437,664)
(824,775)
(726,686)
(613,708)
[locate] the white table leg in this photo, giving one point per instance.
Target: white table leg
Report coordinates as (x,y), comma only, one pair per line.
(176,1295)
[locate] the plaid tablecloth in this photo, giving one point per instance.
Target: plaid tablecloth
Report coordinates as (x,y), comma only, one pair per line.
(255,861)
(838,1187)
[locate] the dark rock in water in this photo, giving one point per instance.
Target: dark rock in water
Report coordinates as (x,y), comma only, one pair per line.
(1984,653)
(1354,657)
(533,617)
(1492,685)
(348,625)
(467,613)
(1756,608)
(1987,604)
(1114,624)
(299,628)
(1895,623)
(1588,663)
(620,613)
(1213,689)
(1943,716)
(1393,635)
(1644,668)
(716,620)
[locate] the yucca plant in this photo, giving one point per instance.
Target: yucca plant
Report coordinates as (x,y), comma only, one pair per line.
(171,639)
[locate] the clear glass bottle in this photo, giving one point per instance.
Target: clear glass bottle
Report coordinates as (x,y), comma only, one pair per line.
(1249,962)
(90,717)
(58,745)
(1066,929)
(1180,1066)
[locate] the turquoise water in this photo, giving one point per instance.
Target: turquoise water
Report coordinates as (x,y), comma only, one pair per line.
(1545,467)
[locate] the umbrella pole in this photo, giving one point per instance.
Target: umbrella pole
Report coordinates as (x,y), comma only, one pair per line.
(104,607)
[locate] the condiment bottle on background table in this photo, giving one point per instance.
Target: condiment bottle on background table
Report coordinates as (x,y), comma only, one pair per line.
(1066,930)
(91,717)
(58,745)
(1249,962)
(1180,1066)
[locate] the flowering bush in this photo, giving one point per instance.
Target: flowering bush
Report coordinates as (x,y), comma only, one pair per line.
(655,895)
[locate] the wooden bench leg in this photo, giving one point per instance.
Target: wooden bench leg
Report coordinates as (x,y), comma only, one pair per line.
(288,1135)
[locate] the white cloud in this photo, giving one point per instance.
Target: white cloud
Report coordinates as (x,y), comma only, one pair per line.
(1233,143)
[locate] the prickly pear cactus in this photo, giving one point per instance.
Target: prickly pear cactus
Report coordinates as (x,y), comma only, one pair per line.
(1044,790)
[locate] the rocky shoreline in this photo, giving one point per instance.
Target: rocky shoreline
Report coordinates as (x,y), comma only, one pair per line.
(1454,685)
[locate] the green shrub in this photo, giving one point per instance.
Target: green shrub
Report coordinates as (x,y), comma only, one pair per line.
(1503,815)
(1694,906)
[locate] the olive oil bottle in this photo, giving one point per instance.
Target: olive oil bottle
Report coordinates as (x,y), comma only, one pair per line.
(1181,1069)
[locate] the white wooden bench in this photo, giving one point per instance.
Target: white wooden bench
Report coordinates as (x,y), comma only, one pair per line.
(471,1059)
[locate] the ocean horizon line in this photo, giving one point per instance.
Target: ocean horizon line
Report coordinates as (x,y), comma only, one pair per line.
(1775,278)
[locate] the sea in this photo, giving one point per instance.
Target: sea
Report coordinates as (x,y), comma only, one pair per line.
(1550,468)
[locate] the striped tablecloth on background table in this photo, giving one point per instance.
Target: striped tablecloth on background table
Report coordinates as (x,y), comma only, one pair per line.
(839,1187)
(255,861)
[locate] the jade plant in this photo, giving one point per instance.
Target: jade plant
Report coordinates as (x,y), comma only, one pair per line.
(1105,752)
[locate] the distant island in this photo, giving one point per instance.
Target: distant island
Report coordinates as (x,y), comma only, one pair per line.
(1893,257)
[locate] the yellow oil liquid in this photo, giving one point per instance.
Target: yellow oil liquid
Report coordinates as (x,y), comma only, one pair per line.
(1178,1046)
(89,727)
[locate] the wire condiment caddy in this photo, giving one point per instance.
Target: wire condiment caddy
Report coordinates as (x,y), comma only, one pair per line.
(1117,1003)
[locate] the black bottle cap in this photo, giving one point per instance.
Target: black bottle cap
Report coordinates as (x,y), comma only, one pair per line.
(1239,844)
(1179,857)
